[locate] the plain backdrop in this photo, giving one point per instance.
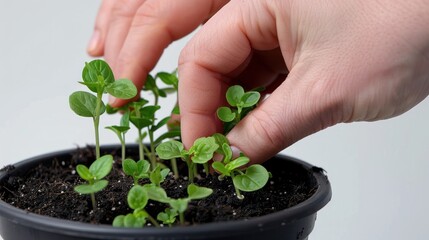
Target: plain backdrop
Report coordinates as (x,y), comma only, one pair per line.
(379,171)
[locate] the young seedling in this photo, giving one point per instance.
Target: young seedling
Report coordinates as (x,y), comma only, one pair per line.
(98,77)
(137,199)
(121,130)
(168,217)
(179,205)
(94,175)
(200,153)
(254,178)
(138,170)
(241,103)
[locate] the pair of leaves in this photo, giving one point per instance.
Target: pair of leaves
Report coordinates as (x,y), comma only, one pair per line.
(98,77)
(237,98)
(168,216)
(131,220)
(227,169)
(94,175)
(201,151)
(137,170)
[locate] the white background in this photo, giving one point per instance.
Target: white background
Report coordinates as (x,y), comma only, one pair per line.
(378,171)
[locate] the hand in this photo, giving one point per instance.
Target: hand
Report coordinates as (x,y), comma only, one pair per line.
(348,61)
(132,34)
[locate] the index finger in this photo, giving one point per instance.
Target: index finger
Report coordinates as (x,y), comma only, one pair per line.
(223,45)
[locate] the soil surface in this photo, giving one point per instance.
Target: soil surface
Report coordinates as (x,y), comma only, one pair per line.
(48,190)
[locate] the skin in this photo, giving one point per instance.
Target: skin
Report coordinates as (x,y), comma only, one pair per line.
(322,62)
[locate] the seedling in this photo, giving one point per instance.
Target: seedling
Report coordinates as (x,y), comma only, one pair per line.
(138,170)
(98,77)
(168,217)
(241,103)
(254,178)
(121,130)
(94,175)
(137,200)
(200,153)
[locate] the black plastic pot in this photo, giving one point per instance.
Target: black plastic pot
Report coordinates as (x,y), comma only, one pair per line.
(293,223)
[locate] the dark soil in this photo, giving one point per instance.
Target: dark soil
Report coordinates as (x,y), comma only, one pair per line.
(48,190)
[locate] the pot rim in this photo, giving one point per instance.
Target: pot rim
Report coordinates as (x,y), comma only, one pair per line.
(304,209)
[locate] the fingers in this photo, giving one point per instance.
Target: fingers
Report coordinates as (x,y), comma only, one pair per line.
(223,45)
(138,32)
(95,46)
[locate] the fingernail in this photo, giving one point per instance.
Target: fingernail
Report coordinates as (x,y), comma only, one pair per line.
(112,101)
(93,43)
(235,152)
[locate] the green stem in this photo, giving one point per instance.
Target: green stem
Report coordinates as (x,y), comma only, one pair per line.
(122,139)
(152,149)
(97,123)
(190,169)
(206,168)
(182,218)
(237,191)
(174,167)
(141,146)
(152,220)
(94,204)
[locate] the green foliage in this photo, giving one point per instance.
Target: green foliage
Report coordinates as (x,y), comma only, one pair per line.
(255,178)
(240,102)
(84,104)
(94,175)
(167,217)
(138,170)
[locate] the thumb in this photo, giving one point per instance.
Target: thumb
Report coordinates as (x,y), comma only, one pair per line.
(293,111)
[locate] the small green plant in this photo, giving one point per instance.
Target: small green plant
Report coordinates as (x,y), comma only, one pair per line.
(138,170)
(240,102)
(121,130)
(98,77)
(94,175)
(200,153)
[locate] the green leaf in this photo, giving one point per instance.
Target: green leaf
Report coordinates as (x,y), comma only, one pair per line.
(129,166)
(236,163)
(155,176)
(118,129)
(218,166)
(111,110)
(234,95)
(225,114)
(179,205)
(169,79)
(203,149)
(139,122)
(91,188)
(250,98)
(84,172)
(137,197)
(176,110)
(131,221)
(170,149)
(148,112)
(84,104)
(143,167)
(168,216)
(118,221)
(160,124)
(195,192)
(156,193)
(150,83)
(102,166)
(94,70)
(122,88)
(255,178)
(164,173)
(125,119)
(227,153)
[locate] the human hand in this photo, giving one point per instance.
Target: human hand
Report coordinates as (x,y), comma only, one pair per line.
(348,61)
(132,34)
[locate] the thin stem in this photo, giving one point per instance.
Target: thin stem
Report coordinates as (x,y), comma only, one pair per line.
(237,191)
(94,204)
(190,169)
(152,220)
(152,149)
(141,146)
(182,218)
(123,146)
(97,123)
(174,167)
(206,168)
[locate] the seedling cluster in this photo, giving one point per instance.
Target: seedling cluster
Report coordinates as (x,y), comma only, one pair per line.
(141,114)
